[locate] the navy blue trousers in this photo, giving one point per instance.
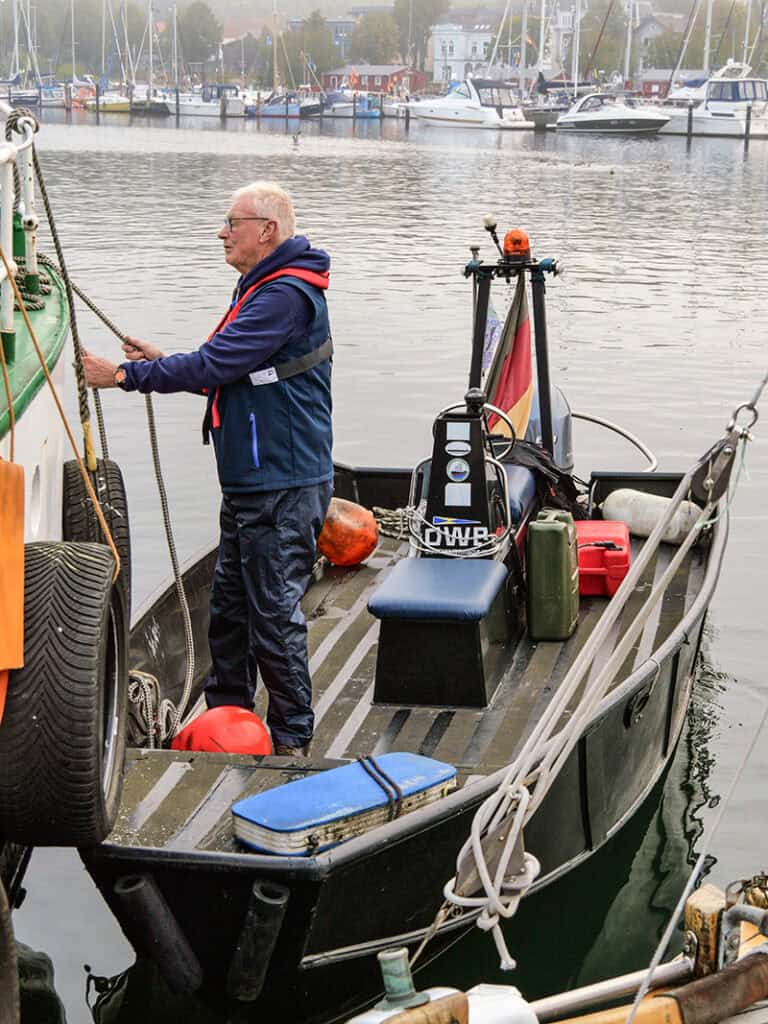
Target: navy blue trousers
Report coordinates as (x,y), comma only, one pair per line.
(266,553)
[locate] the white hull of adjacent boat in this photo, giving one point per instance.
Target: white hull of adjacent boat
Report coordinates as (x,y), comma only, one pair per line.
(717,125)
(469,117)
(473,104)
(605,114)
(194,107)
(40,448)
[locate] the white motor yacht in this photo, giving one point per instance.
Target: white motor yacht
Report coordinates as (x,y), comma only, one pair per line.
(720,105)
(476,103)
(607,114)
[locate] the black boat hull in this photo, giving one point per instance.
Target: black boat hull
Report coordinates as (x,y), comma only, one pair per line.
(384,887)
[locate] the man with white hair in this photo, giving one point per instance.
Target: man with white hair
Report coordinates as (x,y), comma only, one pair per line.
(266,369)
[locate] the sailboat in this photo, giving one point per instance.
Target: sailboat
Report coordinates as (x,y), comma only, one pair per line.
(145,99)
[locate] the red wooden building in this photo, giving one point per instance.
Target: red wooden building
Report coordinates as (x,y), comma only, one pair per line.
(389,78)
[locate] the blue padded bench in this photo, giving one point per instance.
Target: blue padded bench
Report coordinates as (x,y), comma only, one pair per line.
(444,631)
(522,491)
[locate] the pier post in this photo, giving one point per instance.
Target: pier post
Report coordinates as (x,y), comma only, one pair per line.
(178,103)
(98,103)
(152,928)
(354,106)
(407,116)
(689,131)
(747,126)
(256,942)
(538,288)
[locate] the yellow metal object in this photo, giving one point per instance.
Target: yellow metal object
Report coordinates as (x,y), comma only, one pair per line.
(90,452)
(652,1010)
(703,910)
(11,565)
(453,1009)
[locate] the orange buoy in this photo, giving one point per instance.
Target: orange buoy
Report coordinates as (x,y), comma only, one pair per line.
(349,534)
(226,729)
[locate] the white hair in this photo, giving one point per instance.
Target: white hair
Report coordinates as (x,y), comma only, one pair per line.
(274,202)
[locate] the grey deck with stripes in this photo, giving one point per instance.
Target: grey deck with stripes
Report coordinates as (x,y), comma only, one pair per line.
(182,800)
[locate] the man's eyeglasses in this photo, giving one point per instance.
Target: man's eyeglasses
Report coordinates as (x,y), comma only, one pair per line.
(230,222)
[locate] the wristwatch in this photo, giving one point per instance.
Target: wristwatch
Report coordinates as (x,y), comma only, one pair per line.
(119,376)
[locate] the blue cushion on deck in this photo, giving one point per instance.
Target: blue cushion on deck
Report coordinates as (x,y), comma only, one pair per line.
(522,490)
(439,588)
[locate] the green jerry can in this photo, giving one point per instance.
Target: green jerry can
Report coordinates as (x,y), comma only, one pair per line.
(553,576)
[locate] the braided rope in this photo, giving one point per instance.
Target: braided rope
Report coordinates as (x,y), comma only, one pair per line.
(82,387)
(169,715)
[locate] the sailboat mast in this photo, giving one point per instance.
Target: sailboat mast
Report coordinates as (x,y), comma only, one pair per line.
(523,41)
(746,32)
(175,48)
(540,62)
(275,33)
(576,44)
(504,17)
(628,47)
(707,37)
(72,27)
(104,39)
(16,63)
(149,30)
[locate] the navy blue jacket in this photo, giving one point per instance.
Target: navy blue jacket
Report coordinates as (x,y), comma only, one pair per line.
(271,436)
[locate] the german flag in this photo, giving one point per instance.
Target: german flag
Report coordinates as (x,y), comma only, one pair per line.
(509,383)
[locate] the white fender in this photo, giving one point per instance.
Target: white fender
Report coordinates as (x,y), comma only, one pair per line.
(641,512)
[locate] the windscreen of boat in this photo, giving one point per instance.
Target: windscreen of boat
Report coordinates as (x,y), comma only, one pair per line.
(753,90)
(742,91)
(496,96)
(460,90)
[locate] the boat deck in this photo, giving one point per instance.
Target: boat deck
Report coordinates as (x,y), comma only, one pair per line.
(181,801)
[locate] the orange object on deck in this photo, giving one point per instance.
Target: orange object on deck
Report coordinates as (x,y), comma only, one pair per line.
(226,729)
(11,565)
(349,535)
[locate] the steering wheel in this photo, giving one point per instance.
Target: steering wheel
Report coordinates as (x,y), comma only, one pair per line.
(500,456)
(497,412)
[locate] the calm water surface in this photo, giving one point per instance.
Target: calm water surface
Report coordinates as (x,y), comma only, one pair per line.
(660,323)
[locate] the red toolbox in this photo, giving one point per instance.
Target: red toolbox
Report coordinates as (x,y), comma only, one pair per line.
(603,555)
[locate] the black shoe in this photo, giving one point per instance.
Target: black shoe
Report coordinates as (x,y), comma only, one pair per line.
(284,750)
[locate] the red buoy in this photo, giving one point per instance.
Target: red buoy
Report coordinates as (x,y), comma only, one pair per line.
(349,534)
(226,729)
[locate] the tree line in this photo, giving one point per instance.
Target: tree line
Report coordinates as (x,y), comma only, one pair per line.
(378,37)
(102,45)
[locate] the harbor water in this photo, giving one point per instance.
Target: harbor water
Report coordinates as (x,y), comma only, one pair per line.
(660,323)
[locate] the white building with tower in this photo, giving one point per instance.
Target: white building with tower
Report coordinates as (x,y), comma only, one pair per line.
(457,50)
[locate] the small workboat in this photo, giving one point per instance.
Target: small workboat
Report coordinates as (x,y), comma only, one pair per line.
(279,104)
(349,103)
(459,650)
(607,114)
